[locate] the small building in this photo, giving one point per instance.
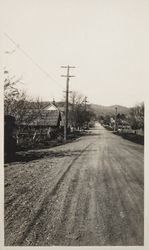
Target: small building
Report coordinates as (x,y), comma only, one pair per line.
(45,124)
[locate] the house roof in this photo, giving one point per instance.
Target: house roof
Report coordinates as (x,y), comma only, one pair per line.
(50,106)
(47,118)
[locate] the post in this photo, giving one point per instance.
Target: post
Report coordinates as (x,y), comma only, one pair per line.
(115,119)
(66,106)
(85,101)
(67,98)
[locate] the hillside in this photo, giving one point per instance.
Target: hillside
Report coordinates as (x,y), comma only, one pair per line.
(100,109)
(109,109)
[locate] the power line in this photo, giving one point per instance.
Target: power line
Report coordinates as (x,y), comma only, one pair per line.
(32,60)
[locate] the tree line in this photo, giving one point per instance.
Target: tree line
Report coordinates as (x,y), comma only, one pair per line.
(134,118)
(24,108)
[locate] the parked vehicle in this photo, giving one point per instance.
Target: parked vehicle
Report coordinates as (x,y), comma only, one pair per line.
(124,129)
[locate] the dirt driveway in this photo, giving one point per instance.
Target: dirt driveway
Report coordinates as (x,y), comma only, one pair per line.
(88,192)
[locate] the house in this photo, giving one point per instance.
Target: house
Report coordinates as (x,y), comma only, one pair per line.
(45,123)
(49,116)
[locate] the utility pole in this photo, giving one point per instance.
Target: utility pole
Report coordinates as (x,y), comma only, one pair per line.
(115,118)
(67,98)
(85,101)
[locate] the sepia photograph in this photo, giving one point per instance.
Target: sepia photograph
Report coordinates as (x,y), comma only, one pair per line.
(74,84)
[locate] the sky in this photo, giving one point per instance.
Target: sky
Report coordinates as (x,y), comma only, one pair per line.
(106,40)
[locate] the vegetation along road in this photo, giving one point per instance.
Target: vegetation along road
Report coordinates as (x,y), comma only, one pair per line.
(88,192)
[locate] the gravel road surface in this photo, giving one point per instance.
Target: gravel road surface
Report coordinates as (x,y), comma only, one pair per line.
(86,193)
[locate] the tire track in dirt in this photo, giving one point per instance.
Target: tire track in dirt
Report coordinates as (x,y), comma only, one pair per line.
(127,205)
(106,196)
(41,204)
(91,197)
(66,214)
(130,171)
(79,226)
(53,215)
(131,189)
(113,205)
(134,190)
(70,195)
(76,209)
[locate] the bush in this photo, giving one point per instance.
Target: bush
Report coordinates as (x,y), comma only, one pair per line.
(132,137)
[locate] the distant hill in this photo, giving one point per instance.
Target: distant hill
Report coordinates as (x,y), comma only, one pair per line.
(100,109)
(108,110)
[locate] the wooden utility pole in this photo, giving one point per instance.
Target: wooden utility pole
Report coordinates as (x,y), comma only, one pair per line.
(67,98)
(115,118)
(85,101)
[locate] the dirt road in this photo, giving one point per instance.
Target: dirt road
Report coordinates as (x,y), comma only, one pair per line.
(88,192)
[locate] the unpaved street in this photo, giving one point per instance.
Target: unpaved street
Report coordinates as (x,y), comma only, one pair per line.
(88,192)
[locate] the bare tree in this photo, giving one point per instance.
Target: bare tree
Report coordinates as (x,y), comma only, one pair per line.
(79,116)
(17,103)
(136,116)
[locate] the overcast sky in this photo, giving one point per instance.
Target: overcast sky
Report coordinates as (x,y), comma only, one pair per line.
(107,41)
